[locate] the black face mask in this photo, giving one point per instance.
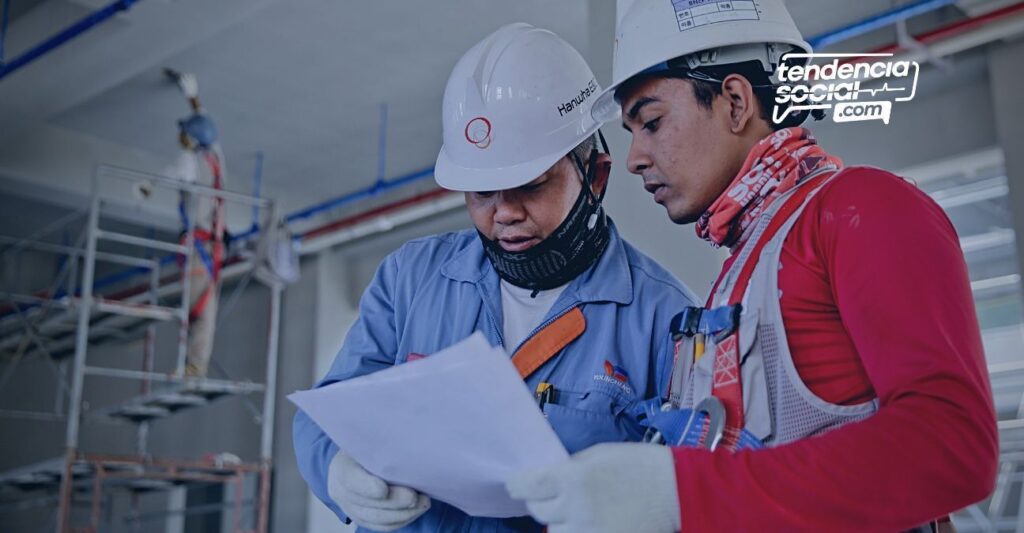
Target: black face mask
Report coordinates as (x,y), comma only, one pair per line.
(570,250)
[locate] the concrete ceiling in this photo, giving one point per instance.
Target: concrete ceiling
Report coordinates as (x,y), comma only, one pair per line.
(301,81)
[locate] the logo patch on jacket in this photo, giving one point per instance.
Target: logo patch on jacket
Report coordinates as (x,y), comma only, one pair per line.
(615,375)
(616,372)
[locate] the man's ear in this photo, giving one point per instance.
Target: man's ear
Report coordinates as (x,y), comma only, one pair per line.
(741,100)
(601,172)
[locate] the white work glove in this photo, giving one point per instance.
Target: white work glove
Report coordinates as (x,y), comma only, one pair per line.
(610,487)
(189,85)
(368,500)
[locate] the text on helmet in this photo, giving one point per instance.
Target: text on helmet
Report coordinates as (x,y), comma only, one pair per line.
(586,92)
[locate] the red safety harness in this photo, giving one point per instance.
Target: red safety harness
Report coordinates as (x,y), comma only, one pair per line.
(726,382)
(216,238)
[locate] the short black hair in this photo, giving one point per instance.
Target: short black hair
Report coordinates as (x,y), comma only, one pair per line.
(705,92)
(583,149)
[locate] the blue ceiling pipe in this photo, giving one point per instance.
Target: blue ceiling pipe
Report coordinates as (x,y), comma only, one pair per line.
(334,203)
(64,36)
(373,190)
(874,22)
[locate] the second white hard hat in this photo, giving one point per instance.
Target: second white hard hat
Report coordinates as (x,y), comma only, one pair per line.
(707,33)
(516,103)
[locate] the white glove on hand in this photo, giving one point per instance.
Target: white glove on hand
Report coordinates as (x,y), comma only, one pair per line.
(189,85)
(610,487)
(368,500)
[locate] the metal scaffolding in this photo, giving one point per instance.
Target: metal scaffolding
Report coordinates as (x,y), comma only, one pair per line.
(40,324)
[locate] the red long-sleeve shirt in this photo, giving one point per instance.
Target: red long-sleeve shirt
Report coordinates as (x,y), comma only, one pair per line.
(876,301)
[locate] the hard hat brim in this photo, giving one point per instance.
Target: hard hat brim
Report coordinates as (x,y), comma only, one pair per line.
(454,177)
(457,178)
(605,108)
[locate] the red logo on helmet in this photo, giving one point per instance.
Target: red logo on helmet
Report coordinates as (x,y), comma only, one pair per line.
(478,132)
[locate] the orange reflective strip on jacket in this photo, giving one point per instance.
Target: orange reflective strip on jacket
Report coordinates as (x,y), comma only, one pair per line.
(548,342)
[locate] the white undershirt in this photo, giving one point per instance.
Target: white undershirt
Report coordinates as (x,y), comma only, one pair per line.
(522,313)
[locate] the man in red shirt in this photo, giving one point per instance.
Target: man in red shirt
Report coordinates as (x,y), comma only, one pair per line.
(839,350)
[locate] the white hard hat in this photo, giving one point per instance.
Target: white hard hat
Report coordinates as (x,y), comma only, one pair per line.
(652,32)
(515,104)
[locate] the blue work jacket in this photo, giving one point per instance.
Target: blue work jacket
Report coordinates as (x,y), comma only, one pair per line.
(435,291)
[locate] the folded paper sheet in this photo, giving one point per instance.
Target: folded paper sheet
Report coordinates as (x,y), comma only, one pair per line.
(454,425)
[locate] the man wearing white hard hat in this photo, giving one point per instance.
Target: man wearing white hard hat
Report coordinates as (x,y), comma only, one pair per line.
(835,380)
(545,274)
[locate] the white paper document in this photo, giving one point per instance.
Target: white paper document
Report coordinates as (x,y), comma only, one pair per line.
(455,426)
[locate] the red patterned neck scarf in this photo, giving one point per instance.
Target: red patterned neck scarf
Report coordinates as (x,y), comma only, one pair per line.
(775,165)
